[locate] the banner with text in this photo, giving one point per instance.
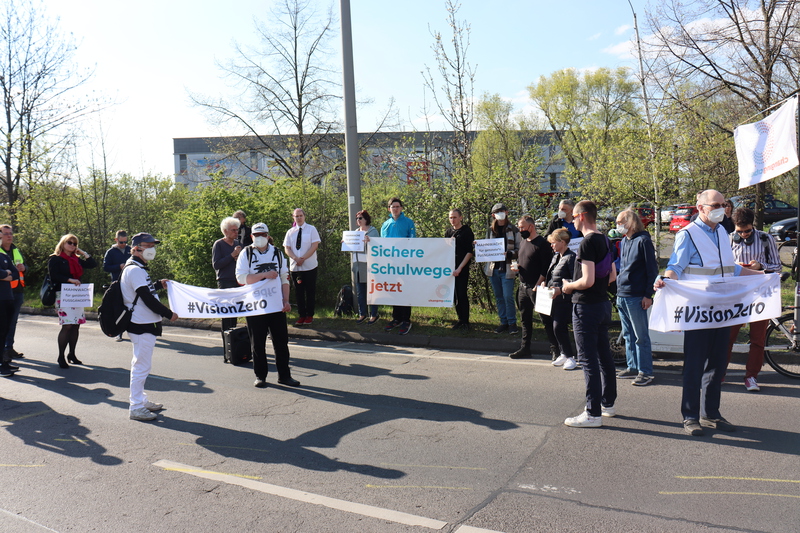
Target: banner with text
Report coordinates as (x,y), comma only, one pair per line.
(416,272)
(716,302)
(77,295)
(249,300)
(490,250)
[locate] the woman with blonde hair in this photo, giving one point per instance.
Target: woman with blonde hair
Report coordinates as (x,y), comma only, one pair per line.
(556,325)
(66,265)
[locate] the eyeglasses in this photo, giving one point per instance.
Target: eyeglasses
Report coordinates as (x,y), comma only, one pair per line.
(71,243)
(714,206)
(123,242)
(359,218)
(745,231)
(8,234)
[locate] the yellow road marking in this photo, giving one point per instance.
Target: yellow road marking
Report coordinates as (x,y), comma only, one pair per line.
(414,487)
(741,478)
(23,466)
(73,439)
(23,417)
(731,493)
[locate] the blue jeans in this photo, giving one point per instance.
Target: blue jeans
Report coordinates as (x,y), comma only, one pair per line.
(19,298)
(590,326)
(504,297)
(361,289)
(636,331)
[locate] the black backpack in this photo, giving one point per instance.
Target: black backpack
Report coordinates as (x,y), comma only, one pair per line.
(344,302)
(112,314)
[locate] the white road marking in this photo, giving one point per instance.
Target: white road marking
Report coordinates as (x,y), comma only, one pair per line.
(18,517)
(307,497)
(470,529)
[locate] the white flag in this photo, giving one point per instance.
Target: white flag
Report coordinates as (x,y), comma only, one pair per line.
(768,148)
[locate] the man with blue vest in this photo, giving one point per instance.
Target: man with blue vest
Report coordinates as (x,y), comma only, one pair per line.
(17,288)
(702,250)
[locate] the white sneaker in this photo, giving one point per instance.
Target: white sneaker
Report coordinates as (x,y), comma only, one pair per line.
(143,414)
(608,411)
(570,364)
(153,407)
(584,420)
(560,360)
(751,384)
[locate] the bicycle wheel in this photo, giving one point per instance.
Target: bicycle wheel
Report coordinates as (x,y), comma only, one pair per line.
(787,251)
(780,351)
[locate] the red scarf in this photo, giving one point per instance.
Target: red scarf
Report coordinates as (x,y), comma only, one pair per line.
(75,268)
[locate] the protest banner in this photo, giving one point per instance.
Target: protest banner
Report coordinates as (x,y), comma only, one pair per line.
(353,241)
(575,243)
(544,300)
(489,250)
(259,298)
(715,302)
(77,295)
(415,272)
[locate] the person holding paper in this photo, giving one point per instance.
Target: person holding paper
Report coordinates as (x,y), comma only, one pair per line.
(533,259)
(464,237)
(139,293)
(702,251)
(257,262)
(66,265)
(364,223)
(500,273)
(556,325)
(638,271)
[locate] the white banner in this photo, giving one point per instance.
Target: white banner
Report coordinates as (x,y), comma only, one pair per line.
(249,300)
(353,241)
(716,302)
(767,148)
(416,272)
(488,250)
(544,300)
(77,295)
(575,243)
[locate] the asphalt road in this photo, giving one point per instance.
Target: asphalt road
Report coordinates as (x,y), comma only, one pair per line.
(378,439)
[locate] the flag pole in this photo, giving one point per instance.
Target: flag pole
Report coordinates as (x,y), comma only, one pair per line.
(796,238)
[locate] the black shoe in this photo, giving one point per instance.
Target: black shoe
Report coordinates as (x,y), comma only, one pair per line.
(74,360)
(513,329)
(289,382)
(501,328)
(260,383)
(554,352)
(720,424)
(522,353)
(62,362)
(10,353)
(391,325)
(405,328)
(692,427)
(457,325)
(7,370)
(9,366)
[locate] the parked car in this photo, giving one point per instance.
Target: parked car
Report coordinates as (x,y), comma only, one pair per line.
(647,214)
(774,210)
(666,214)
(683,215)
(784,230)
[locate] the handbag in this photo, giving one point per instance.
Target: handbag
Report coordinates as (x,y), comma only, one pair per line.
(48,291)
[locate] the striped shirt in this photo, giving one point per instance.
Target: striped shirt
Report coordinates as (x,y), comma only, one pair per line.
(762,249)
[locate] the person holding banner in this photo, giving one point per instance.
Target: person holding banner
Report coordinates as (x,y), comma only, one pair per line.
(556,325)
(464,238)
(139,293)
(364,223)
(66,266)
(702,251)
(754,250)
(534,259)
(399,226)
(591,316)
(257,262)
(224,254)
(500,273)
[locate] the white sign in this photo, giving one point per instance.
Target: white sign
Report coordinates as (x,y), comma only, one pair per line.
(77,295)
(544,300)
(768,148)
(249,300)
(353,241)
(411,272)
(575,243)
(489,250)
(715,302)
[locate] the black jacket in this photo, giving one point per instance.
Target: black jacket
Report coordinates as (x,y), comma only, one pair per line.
(561,268)
(58,268)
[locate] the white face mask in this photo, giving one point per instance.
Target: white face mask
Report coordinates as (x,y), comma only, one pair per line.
(148,254)
(500,216)
(260,242)
(562,214)
(716,215)
(621,229)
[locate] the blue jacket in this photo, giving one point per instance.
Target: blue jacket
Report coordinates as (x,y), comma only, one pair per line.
(638,267)
(403,227)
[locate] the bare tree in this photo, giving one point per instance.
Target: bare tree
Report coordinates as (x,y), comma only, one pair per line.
(744,48)
(287,93)
(37,82)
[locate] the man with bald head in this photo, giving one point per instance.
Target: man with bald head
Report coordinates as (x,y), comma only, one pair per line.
(702,250)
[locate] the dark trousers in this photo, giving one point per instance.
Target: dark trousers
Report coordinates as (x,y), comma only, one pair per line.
(228,322)
(462,300)
(557,325)
(705,360)
(305,287)
(6,312)
(526,300)
(258,327)
(590,325)
(19,298)
(401,313)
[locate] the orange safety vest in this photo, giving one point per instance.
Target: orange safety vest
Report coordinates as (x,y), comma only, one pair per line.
(17,258)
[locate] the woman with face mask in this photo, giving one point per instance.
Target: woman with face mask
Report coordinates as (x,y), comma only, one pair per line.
(66,265)
(500,273)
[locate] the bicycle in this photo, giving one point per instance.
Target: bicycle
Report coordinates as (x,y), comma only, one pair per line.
(781,349)
(787,251)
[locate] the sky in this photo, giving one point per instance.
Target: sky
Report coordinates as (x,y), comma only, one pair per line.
(148,56)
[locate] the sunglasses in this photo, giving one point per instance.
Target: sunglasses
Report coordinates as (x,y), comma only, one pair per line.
(123,242)
(71,243)
(714,206)
(745,231)
(359,218)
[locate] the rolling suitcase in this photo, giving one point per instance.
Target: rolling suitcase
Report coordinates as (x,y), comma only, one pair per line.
(237,346)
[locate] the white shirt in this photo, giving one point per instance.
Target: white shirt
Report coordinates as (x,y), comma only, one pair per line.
(310,235)
(251,261)
(134,276)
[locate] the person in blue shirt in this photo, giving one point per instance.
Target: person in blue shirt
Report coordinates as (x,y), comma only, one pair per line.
(399,226)
(117,255)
